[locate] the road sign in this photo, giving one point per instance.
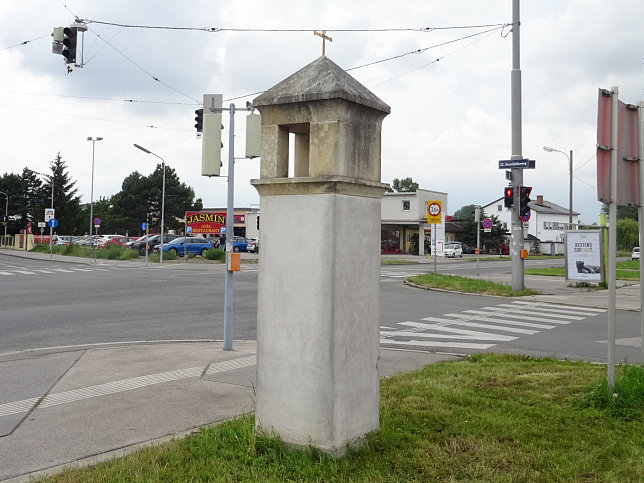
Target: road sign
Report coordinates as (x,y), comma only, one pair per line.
(188,230)
(434,211)
(41,224)
(223,230)
(144,226)
(487,223)
(97,221)
(53,223)
(49,214)
(517,163)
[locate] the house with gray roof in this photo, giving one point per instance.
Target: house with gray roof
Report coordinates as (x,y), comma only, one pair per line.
(546,226)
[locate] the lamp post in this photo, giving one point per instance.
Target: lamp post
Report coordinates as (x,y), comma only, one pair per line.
(162,196)
(91,203)
(6,216)
(553,150)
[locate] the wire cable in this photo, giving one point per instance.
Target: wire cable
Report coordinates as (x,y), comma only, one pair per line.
(76,115)
(142,69)
(223,29)
(424,49)
(25,42)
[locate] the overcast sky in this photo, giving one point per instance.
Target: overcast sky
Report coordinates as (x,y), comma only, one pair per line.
(450,104)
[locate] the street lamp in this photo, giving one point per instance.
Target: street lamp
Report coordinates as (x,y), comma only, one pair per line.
(6,216)
(91,203)
(553,150)
(162,196)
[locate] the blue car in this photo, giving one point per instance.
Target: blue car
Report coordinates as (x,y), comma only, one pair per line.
(187,245)
(240,244)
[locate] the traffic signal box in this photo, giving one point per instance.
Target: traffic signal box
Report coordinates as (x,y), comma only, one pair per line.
(211,137)
(69,44)
(199,120)
(524,199)
(507,197)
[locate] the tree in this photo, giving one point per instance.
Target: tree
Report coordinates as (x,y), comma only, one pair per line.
(622,211)
(142,195)
(406,185)
(627,234)
(492,240)
(66,203)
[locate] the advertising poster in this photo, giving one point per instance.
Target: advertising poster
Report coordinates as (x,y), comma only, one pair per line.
(584,256)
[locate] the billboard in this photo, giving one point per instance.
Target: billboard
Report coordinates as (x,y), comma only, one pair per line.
(209,222)
(583,256)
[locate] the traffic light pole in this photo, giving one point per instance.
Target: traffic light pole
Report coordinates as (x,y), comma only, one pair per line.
(229,293)
(516,243)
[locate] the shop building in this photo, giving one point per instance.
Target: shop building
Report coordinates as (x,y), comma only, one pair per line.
(403,219)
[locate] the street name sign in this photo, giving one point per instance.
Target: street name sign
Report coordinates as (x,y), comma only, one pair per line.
(517,163)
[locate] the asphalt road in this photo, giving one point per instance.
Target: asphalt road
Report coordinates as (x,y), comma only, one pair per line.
(50,306)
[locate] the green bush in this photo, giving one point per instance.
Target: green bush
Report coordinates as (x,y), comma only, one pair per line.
(216,254)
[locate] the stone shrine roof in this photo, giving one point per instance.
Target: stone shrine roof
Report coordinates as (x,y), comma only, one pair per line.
(321,80)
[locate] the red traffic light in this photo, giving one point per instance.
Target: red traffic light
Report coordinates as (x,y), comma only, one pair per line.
(507,197)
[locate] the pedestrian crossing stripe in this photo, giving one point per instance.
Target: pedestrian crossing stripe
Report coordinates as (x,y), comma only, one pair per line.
(488,325)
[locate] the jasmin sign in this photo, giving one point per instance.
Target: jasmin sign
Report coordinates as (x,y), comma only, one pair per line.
(208,222)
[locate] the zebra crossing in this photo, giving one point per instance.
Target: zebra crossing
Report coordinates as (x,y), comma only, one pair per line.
(6,272)
(392,275)
(483,328)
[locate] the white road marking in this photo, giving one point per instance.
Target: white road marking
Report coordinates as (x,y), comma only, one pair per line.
(425,343)
(122,385)
(501,318)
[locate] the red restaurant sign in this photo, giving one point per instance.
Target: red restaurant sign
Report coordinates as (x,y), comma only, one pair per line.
(208,222)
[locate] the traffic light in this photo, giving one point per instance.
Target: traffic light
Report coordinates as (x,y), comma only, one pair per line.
(508,197)
(69,44)
(199,120)
(258,221)
(211,137)
(524,199)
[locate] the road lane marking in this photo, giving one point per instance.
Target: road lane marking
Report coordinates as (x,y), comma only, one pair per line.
(489,320)
(467,322)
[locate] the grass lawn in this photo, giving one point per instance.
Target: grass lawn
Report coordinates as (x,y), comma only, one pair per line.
(490,418)
(468,285)
(625,271)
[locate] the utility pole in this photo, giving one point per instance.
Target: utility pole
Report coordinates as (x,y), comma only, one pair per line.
(516,224)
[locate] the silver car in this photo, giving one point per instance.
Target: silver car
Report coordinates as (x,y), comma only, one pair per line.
(453,250)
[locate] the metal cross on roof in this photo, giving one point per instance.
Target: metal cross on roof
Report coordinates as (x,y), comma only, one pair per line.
(325,37)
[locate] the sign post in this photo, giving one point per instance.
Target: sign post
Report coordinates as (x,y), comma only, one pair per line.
(97,224)
(434,216)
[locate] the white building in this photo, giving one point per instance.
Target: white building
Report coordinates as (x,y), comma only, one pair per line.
(403,216)
(545,229)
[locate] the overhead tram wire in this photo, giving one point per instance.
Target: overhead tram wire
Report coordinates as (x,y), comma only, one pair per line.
(131,101)
(25,42)
(287,30)
(438,59)
(143,70)
(76,115)
(424,49)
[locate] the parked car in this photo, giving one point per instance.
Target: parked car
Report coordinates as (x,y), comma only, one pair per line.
(121,240)
(467,248)
(453,250)
(635,254)
(240,244)
(253,245)
(151,242)
(138,240)
(187,245)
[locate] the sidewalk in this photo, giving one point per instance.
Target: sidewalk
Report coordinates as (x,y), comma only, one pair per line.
(102,403)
